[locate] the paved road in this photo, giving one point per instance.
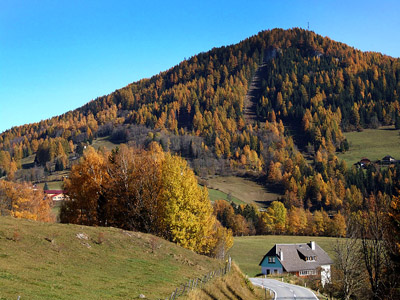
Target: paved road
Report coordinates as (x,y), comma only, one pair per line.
(284,290)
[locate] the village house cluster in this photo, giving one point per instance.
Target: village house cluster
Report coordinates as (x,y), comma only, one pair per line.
(385,161)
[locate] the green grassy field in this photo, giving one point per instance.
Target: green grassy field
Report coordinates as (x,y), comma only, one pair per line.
(27,161)
(243,189)
(218,195)
(248,251)
(103,142)
(49,261)
(53,185)
(373,144)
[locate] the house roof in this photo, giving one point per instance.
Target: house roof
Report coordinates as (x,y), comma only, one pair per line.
(292,260)
(54,191)
(388,157)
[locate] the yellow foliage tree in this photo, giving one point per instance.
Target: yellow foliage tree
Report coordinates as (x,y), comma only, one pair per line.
(23,201)
(144,190)
(186,212)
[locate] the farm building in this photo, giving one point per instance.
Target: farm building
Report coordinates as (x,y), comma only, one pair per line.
(299,259)
(388,160)
(363,163)
(56,195)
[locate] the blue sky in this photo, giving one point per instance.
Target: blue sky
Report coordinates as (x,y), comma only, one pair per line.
(56,56)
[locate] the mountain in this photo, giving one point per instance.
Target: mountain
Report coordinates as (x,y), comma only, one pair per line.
(243,107)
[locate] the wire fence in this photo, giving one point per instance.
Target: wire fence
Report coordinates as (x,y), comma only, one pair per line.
(199,282)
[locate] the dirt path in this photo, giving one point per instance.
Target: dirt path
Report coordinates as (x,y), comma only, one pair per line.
(255,90)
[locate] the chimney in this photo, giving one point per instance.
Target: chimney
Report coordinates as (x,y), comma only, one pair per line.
(312,245)
(280,254)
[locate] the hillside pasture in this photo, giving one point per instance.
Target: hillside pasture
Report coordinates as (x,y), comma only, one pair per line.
(243,189)
(59,261)
(372,143)
(103,142)
(219,195)
(248,251)
(53,185)
(28,162)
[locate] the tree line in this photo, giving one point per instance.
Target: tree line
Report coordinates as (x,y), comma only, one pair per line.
(149,191)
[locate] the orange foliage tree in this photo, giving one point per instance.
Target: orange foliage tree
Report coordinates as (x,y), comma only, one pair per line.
(147,191)
(23,201)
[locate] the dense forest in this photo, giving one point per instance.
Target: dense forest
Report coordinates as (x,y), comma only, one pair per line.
(313,88)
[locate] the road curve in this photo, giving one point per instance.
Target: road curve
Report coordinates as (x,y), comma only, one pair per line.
(284,291)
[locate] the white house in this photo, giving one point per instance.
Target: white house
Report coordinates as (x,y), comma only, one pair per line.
(56,195)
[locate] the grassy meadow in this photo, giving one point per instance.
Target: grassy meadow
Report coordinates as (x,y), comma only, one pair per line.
(103,142)
(50,261)
(28,161)
(218,195)
(247,251)
(373,144)
(53,185)
(243,189)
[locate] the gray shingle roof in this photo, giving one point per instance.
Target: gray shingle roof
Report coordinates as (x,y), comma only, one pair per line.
(293,256)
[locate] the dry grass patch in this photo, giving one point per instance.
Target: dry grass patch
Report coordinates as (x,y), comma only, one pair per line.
(231,286)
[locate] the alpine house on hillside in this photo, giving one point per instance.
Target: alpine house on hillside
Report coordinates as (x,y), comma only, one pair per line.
(298,259)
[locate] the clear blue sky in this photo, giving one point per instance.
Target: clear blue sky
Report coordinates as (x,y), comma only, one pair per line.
(57,55)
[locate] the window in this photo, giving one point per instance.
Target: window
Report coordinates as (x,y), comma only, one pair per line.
(311,258)
(271,260)
(308,272)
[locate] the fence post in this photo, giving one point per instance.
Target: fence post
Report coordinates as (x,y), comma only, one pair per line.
(194,283)
(184,289)
(175,294)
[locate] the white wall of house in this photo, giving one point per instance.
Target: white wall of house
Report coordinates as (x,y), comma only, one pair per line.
(269,270)
(58,197)
(325,274)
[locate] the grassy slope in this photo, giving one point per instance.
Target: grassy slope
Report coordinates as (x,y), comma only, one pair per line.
(232,286)
(125,265)
(218,195)
(103,142)
(248,251)
(244,189)
(373,144)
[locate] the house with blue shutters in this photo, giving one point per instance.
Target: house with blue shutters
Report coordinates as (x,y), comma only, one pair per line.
(303,260)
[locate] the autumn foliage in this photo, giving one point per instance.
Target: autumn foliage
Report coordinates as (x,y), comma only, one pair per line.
(147,191)
(276,219)
(23,201)
(312,90)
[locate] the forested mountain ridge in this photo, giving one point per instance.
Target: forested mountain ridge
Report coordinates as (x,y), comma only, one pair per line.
(305,91)
(314,84)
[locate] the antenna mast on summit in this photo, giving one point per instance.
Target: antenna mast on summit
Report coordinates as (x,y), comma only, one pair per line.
(308,25)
